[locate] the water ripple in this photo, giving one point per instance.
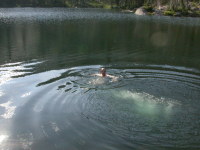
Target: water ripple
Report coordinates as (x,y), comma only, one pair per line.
(148,104)
(53,15)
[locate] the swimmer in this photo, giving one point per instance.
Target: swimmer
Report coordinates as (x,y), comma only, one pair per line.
(102,73)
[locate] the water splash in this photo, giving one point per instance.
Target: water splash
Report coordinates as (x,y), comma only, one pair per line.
(9,110)
(147,103)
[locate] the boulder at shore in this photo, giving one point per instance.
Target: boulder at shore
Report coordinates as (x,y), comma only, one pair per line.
(140,11)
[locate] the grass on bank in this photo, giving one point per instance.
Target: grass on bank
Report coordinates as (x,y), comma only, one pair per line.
(91,4)
(180,13)
(169,13)
(95,4)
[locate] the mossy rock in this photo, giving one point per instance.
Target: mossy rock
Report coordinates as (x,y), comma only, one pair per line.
(151,13)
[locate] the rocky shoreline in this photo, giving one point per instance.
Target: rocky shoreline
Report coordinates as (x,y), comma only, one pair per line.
(164,11)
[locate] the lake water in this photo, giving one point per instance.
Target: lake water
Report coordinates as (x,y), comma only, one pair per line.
(50,100)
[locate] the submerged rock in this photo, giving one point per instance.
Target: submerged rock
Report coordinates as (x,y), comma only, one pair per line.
(140,11)
(127,11)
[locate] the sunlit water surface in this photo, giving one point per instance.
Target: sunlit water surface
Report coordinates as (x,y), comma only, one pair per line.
(50,98)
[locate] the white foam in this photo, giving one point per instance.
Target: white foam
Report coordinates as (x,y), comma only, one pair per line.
(10,110)
(147,103)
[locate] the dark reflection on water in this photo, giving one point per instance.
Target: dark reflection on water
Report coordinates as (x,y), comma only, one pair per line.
(49,98)
(112,38)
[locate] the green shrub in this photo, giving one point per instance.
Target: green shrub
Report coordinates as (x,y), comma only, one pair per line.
(107,6)
(68,4)
(195,13)
(169,13)
(194,4)
(184,12)
(148,8)
(95,4)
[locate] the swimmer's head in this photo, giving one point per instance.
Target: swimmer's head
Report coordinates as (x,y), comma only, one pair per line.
(103,71)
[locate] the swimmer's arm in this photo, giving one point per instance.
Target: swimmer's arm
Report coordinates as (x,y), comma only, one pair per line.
(114,78)
(110,76)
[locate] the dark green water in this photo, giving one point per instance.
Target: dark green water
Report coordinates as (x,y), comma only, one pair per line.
(50,100)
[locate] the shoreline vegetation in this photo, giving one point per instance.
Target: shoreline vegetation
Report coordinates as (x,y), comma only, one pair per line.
(190,8)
